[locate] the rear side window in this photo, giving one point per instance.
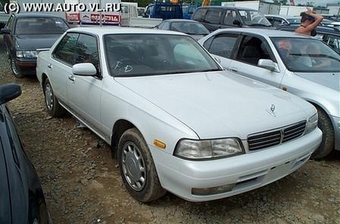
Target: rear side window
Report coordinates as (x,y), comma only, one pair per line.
(199,14)
(213,16)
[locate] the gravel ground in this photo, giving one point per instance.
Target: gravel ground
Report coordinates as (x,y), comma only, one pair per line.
(82,183)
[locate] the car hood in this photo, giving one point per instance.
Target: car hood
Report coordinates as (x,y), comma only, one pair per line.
(217,104)
(197,36)
(33,42)
(330,79)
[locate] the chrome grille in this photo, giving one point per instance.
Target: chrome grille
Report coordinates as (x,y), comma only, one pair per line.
(277,136)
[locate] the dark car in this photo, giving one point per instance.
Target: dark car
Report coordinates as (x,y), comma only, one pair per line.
(329,35)
(216,17)
(277,20)
(21,194)
(191,27)
(24,33)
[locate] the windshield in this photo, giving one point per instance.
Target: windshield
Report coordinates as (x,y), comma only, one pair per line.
(155,54)
(191,28)
(307,55)
(40,25)
(254,18)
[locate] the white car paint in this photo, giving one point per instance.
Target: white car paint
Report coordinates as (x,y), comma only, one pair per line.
(320,88)
(196,105)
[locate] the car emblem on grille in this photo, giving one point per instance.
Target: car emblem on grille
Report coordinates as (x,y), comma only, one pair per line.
(272,110)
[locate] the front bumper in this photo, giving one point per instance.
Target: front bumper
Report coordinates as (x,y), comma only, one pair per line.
(26,66)
(245,172)
(336,125)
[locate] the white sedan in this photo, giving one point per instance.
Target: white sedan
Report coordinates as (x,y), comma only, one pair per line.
(174,118)
(296,63)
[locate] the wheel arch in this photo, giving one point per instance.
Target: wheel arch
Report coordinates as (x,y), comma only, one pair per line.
(43,79)
(117,131)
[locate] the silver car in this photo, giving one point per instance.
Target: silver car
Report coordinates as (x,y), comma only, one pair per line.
(175,119)
(295,63)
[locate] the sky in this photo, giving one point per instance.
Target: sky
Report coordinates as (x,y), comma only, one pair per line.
(316,2)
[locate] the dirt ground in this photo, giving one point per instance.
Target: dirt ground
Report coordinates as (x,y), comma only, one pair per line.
(82,184)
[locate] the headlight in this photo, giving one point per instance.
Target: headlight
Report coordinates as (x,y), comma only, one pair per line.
(312,123)
(26,54)
(208,149)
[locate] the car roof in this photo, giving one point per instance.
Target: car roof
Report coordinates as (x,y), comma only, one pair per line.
(282,16)
(229,7)
(103,30)
(180,20)
(266,32)
(321,29)
(35,14)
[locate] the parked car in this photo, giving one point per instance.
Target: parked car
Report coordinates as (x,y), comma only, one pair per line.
(256,54)
(164,10)
(24,33)
(21,194)
(329,35)
(277,20)
(191,27)
(175,119)
(216,17)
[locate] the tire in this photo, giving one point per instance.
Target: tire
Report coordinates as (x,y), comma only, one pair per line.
(137,168)
(327,144)
(16,72)
(52,104)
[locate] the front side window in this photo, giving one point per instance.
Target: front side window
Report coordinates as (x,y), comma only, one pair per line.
(229,18)
(65,51)
(150,54)
(87,50)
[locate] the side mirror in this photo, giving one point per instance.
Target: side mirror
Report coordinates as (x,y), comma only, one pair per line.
(237,23)
(84,69)
(5,30)
(267,64)
(9,92)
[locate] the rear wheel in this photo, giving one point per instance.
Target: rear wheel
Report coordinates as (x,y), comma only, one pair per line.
(52,104)
(137,168)
(327,144)
(16,72)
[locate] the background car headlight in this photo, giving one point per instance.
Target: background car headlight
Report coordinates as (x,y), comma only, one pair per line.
(26,54)
(312,123)
(208,149)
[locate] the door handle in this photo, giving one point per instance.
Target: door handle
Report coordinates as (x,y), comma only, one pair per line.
(49,66)
(234,70)
(71,77)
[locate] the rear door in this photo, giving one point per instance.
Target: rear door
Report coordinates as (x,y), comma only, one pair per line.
(60,66)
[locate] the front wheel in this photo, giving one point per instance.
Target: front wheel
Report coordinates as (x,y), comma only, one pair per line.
(328,138)
(16,72)
(52,104)
(137,168)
